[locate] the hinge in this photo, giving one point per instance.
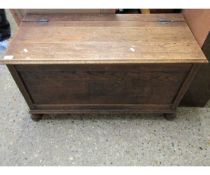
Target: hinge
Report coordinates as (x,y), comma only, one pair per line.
(41,20)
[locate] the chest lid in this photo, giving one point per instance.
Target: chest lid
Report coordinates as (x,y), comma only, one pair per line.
(103,39)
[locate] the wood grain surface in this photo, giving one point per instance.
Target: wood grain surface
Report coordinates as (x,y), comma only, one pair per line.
(104,39)
(103,84)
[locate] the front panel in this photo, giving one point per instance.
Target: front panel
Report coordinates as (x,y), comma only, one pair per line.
(146,84)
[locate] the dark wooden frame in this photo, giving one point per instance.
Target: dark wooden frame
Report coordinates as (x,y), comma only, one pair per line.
(169,110)
(111,83)
(199,92)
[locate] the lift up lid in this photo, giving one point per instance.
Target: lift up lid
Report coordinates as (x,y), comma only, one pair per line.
(103,39)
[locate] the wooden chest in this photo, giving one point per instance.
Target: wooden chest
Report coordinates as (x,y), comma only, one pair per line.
(103,63)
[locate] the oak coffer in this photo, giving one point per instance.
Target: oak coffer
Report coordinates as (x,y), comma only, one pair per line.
(83,63)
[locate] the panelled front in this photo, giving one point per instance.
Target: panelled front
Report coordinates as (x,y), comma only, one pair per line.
(103,84)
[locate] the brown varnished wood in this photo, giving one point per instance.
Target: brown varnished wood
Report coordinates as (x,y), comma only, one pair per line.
(198,21)
(21,85)
(103,63)
(104,39)
(105,84)
(199,92)
(104,17)
(107,24)
(185,86)
(16,15)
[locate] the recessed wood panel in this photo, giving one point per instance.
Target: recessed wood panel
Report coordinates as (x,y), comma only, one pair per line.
(107,84)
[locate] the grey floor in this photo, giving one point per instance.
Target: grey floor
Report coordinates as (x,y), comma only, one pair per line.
(99,140)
